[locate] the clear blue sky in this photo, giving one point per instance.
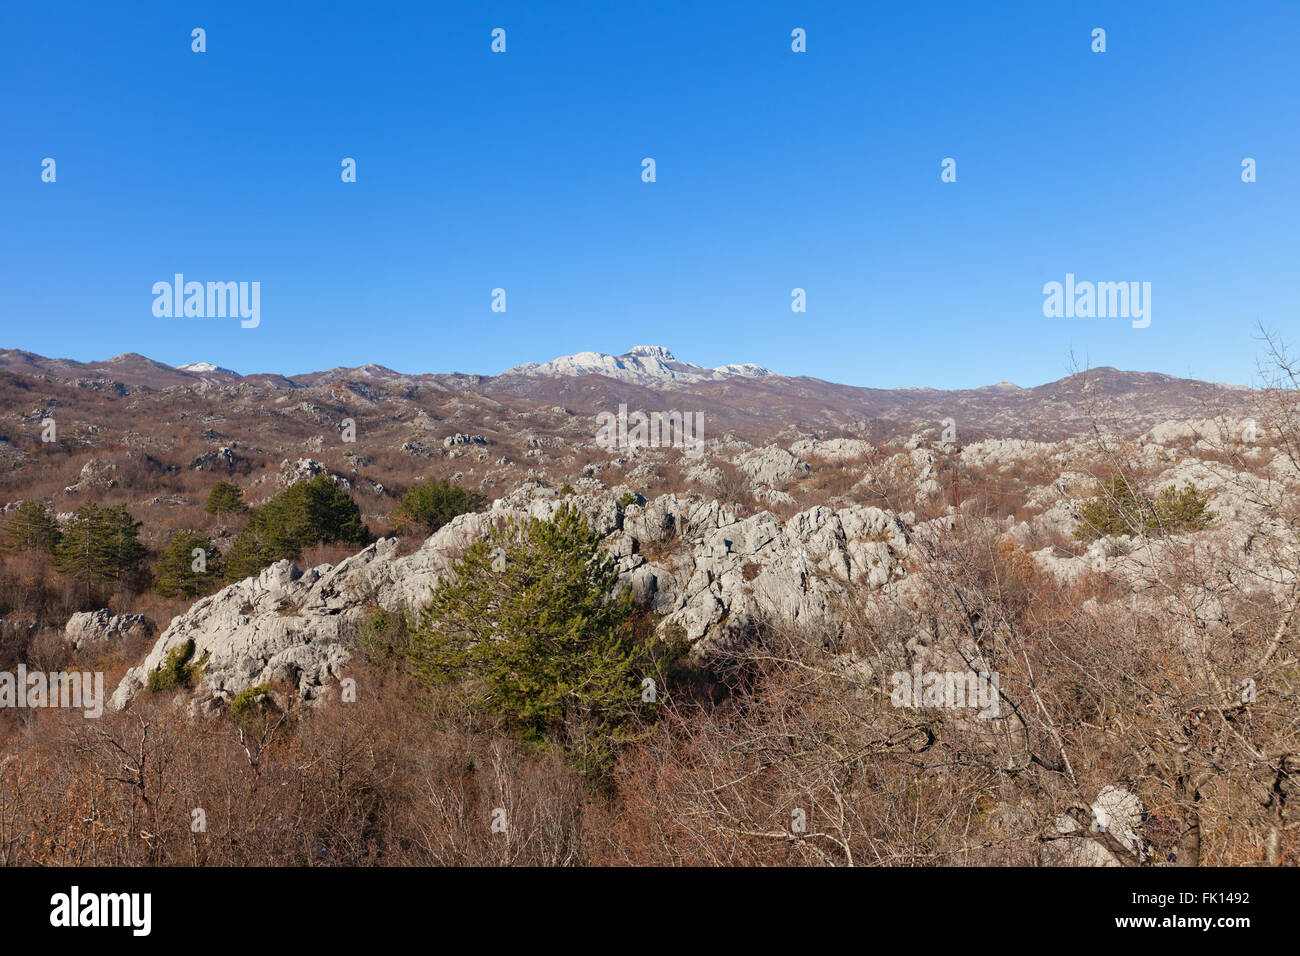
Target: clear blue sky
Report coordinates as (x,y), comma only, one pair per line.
(775,170)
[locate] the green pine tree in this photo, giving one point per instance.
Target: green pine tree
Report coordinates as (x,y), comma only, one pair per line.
(301,515)
(428,506)
(226,498)
(1119,507)
(31,528)
(100,547)
(182,571)
(531,629)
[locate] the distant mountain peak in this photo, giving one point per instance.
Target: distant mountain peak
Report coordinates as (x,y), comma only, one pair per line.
(206,368)
(651,351)
(642,364)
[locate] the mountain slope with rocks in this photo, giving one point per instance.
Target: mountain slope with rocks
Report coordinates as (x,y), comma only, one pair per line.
(715,572)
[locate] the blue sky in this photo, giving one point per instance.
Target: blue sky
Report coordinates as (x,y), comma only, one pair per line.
(775,170)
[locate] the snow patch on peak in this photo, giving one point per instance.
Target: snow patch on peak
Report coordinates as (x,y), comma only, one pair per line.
(642,364)
(747,369)
(203,368)
(651,351)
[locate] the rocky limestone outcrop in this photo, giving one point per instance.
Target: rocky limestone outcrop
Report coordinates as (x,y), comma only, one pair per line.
(1116,812)
(304,469)
(832,449)
(223,459)
(713,575)
(295,625)
(772,466)
(96,475)
(99,629)
(1213,430)
(1004,451)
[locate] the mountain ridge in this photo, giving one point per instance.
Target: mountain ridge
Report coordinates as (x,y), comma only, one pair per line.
(651,377)
(129,367)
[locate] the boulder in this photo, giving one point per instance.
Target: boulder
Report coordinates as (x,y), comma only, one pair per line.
(1117,812)
(304,469)
(96,475)
(773,466)
(223,460)
(99,629)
